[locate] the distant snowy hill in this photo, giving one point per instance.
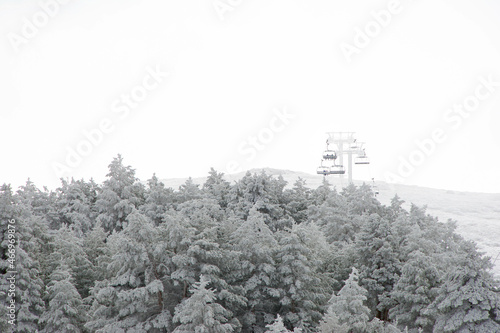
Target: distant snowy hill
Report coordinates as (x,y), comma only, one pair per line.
(477,214)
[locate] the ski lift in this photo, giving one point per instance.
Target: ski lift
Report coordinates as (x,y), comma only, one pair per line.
(329,155)
(323,170)
(361,158)
(337,170)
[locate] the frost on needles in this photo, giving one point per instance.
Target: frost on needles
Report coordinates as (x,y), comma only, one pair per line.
(255,255)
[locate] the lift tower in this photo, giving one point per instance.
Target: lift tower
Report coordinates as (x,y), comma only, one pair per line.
(347,144)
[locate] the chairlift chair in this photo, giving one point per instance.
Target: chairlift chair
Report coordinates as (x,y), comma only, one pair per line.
(329,155)
(321,170)
(361,160)
(337,170)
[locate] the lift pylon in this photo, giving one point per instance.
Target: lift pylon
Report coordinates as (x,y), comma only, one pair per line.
(346,144)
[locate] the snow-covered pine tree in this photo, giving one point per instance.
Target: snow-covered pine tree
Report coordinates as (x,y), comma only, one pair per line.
(37,201)
(361,200)
(300,282)
(65,312)
(257,271)
(197,245)
(379,263)
(7,213)
(216,187)
(261,192)
(347,311)
(98,252)
(298,200)
(202,214)
(29,285)
(333,216)
(321,193)
(188,191)
(415,290)
(209,249)
(159,200)
(178,235)
(131,298)
(396,208)
(421,274)
(28,293)
(469,299)
(30,250)
(68,249)
(200,313)
(121,193)
(32,207)
(76,205)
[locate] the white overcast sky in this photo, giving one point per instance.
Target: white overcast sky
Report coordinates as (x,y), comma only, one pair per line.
(228,78)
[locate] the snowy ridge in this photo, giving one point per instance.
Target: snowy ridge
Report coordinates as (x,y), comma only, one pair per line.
(477,214)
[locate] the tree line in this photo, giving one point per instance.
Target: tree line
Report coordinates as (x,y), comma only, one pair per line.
(255,255)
